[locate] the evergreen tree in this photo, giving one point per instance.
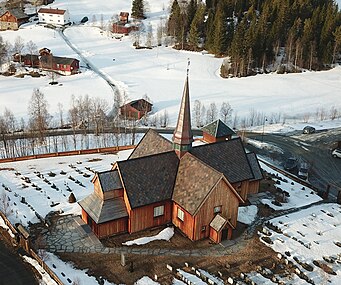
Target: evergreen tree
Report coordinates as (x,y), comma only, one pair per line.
(197,26)
(137,10)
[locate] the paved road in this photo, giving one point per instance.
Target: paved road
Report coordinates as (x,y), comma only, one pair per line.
(315,149)
(12,269)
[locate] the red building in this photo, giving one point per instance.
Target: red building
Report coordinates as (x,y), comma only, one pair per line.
(11,19)
(135,109)
(197,189)
(61,65)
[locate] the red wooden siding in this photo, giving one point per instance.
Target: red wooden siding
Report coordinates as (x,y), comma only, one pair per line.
(254,187)
(143,217)
(112,227)
(187,225)
(220,195)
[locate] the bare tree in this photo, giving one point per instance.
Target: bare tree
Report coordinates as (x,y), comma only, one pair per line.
(211,114)
(226,112)
(164,119)
(94,20)
(61,111)
(38,113)
(32,49)
(19,46)
(149,41)
(102,22)
(197,113)
(76,281)
(333,113)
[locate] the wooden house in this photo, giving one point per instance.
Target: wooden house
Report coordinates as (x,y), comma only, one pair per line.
(44,51)
(135,109)
(61,65)
(217,131)
(197,189)
(11,19)
(56,17)
(124,17)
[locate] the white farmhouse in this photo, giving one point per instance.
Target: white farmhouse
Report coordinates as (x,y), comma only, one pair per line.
(57,17)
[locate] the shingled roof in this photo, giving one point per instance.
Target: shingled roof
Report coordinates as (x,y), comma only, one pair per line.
(16,12)
(218,129)
(255,167)
(46,60)
(109,180)
(193,183)
(149,179)
(52,11)
(227,157)
(102,211)
(151,143)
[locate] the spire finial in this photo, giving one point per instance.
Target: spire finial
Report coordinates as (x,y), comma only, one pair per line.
(188,63)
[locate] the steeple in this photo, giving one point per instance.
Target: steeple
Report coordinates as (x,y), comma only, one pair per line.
(183,136)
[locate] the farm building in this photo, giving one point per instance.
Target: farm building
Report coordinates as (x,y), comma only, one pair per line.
(197,189)
(135,109)
(56,17)
(123,26)
(11,19)
(31,60)
(61,65)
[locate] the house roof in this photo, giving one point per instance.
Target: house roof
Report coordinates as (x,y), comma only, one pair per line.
(218,129)
(193,183)
(109,180)
(46,60)
(52,11)
(218,223)
(102,211)
(151,143)
(255,167)
(17,12)
(138,104)
(149,179)
(183,132)
(227,157)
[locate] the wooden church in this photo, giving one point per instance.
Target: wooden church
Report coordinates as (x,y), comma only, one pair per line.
(197,189)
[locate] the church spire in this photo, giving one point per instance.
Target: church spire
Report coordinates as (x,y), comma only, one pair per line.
(182,136)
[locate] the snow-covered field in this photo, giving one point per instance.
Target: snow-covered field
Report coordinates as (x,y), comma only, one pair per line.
(160,72)
(310,235)
(33,180)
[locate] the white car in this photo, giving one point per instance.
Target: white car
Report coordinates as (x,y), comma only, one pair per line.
(336,153)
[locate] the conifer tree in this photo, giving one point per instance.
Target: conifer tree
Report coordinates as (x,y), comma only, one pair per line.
(196,32)
(137,10)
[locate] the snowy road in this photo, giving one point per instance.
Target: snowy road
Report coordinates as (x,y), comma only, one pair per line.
(88,63)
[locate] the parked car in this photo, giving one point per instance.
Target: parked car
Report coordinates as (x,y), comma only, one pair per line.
(336,153)
(303,171)
(291,164)
(309,130)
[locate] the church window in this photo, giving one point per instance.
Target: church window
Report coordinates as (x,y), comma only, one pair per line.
(217,209)
(181,214)
(159,211)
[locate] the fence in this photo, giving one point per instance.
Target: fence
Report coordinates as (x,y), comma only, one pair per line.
(68,153)
(30,251)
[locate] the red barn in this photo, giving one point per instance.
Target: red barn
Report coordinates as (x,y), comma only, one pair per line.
(61,65)
(163,182)
(11,19)
(135,109)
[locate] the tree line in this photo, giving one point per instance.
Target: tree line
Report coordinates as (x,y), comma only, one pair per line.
(260,35)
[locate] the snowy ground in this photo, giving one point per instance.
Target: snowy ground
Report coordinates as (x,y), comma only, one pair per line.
(42,197)
(160,72)
(247,214)
(166,234)
(299,195)
(311,235)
